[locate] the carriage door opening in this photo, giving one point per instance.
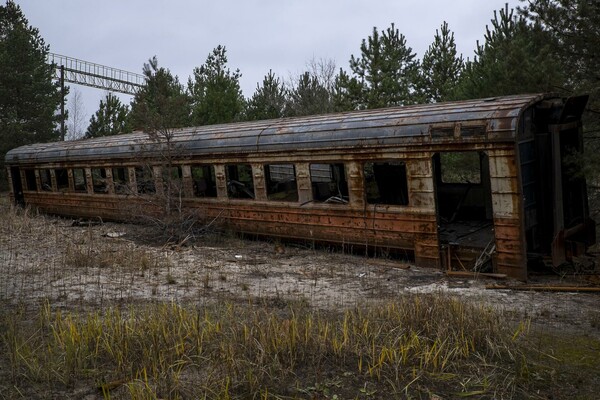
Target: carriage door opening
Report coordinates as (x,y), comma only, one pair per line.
(464,210)
(17,186)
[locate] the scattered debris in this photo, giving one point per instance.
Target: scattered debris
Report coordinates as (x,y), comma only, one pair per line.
(114,234)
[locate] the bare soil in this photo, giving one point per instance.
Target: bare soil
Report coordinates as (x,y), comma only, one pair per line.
(75,266)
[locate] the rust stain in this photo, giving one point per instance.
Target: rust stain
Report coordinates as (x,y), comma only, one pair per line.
(412,213)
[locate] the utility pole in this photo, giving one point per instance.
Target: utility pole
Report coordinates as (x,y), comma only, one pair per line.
(62,103)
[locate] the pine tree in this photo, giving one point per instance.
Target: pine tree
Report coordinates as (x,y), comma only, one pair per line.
(307,97)
(158,108)
(386,69)
(268,101)
(573,24)
(346,92)
(29,98)
(516,57)
(215,91)
(110,119)
(440,67)
(162,103)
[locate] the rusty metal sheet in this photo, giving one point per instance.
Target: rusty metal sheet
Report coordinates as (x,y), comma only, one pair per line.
(379,128)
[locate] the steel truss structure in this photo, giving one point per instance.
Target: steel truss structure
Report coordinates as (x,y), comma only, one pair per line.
(86,73)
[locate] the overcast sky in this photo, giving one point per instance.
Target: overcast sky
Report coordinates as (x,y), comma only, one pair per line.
(281,35)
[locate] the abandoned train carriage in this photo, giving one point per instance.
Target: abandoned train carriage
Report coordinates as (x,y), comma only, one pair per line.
(454,184)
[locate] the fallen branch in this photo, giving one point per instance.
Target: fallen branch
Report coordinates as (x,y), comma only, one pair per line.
(536,288)
(468,274)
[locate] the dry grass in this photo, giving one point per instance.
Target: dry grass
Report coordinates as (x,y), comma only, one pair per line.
(414,347)
(84,316)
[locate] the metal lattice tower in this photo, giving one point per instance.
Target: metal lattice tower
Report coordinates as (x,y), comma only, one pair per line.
(86,73)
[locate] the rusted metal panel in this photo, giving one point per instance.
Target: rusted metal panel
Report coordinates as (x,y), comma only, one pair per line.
(511,258)
(260,192)
(304,184)
(341,226)
(420,184)
(426,248)
(408,136)
(355,175)
(380,128)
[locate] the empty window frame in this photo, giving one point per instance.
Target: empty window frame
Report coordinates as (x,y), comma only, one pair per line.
(172,179)
(203,178)
(99,180)
(281,182)
(144,179)
(329,184)
(79,180)
(62,179)
(120,176)
(460,167)
(46,180)
(239,181)
(30,180)
(386,183)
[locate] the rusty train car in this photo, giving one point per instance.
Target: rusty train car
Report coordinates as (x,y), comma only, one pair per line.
(454,185)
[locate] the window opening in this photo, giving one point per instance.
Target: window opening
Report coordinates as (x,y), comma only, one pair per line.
(460,167)
(205,183)
(461,194)
(62,179)
(30,180)
(99,180)
(172,180)
(46,180)
(120,177)
(145,180)
(281,182)
(386,183)
(79,181)
(239,181)
(329,183)
(464,209)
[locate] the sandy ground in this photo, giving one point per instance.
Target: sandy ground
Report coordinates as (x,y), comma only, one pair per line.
(90,267)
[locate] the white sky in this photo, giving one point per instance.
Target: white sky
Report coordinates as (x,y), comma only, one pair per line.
(282,35)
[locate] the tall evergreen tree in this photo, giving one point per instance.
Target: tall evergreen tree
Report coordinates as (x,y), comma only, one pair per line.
(215,91)
(162,103)
(307,97)
(574,27)
(268,101)
(346,92)
(573,24)
(110,119)
(29,98)
(386,69)
(516,57)
(159,107)
(440,67)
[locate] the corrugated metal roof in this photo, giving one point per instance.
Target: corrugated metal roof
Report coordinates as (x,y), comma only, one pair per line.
(382,127)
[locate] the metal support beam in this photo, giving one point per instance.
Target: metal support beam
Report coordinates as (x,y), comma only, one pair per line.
(96,75)
(62,103)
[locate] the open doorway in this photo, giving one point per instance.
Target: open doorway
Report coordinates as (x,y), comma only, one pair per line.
(17,186)
(464,210)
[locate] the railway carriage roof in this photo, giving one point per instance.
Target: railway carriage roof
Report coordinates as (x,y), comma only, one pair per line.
(493,118)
